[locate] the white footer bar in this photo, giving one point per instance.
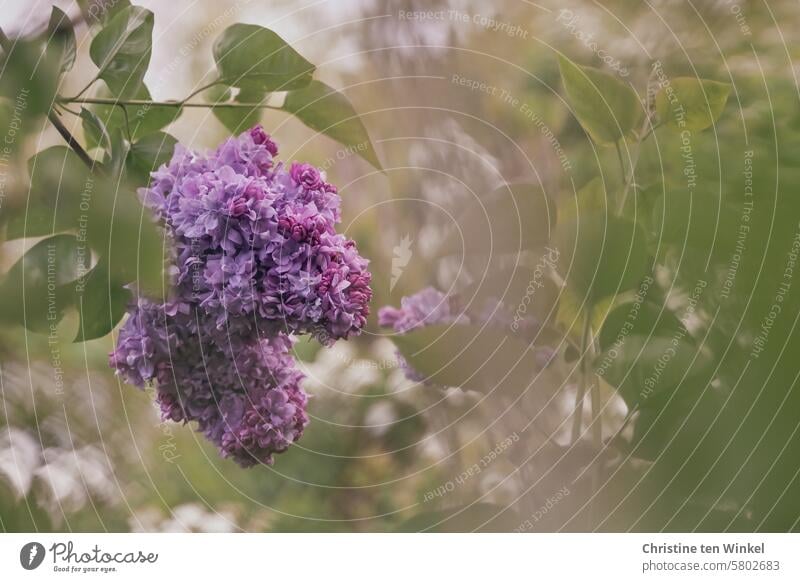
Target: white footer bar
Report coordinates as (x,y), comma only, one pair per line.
(401,557)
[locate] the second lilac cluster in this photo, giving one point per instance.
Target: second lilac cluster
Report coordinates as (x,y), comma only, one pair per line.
(256,259)
(432,307)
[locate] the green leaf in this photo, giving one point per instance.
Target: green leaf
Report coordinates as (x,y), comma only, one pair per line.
(592,197)
(122,230)
(97,127)
(680,425)
(601,255)
(150,152)
(36,290)
(469,357)
(121,50)
(141,119)
(572,311)
(682,220)
(29,80)
(237,119)
(513,218)
(247,54)
(690,103)
(104,212)
(61,39)
(60,182)
(329,112)
(119,154)
(638,318)
(100,301)
(607,108)
(646,371)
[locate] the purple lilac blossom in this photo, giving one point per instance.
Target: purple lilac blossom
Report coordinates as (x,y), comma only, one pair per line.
(427,307)
(231,392)
(255,258)
(256,245)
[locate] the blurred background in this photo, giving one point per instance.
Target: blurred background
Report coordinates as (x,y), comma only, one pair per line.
(459,97)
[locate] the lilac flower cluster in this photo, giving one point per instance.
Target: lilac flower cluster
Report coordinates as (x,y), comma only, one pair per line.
(256,259)
(432,307)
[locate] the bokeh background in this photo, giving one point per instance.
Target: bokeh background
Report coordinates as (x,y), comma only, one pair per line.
(80,451)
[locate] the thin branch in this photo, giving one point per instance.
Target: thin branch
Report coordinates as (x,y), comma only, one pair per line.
(625,423)
(646,130)
(597,424)
(201,89)
(72,142)
(86,88)
(145,103)
(68,110)
(640,137)
(127,121)
(577,418)
(621,163)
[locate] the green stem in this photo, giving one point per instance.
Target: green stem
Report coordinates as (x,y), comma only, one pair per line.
(597,425)
(86,88)
(577,418)
(621,163)
(127,122)
(146,103)
(201,89)
(646,130)
(625,422)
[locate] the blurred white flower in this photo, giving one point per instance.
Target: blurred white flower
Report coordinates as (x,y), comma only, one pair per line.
(189,517)
(379,418)
(20,455)
(71,478)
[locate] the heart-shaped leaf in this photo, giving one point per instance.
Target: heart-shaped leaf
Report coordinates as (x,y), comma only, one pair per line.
(601,255)
(251,55)
(607,108)
(101,302)
(691,103)
(237,119)
(150,152)
(121,50)
(61,39)
(36,289)
(329,112)
(97,127)
(647,370)
(638,318)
